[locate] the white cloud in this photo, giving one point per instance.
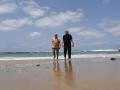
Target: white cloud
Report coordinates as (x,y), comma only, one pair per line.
(33,9)
(60,19)
(111,26)
(35,34)
(41,16)
(7,8)
(13,24)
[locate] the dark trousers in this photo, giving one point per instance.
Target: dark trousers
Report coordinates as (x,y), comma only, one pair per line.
(67,50)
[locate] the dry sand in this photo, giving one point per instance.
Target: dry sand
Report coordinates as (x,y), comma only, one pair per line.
(79,74)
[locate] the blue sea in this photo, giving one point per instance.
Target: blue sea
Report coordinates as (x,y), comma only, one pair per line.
(48,55)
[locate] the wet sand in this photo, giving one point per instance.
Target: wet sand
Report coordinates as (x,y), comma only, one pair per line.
(79,74)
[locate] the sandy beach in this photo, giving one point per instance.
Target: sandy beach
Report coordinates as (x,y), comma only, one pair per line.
(79,74)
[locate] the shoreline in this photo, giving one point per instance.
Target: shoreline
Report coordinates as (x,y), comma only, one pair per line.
(59,60)
(74,56)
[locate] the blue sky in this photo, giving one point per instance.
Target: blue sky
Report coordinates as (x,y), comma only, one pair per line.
(28,25)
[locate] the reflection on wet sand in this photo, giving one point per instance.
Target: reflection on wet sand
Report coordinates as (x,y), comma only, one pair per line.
(69,79)
(63,79)
(57,76)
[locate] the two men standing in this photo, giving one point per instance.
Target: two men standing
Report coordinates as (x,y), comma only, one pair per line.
(67,43)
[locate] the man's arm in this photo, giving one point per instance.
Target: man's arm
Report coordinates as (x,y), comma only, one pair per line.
(52,43)
(63,41)
(72,43)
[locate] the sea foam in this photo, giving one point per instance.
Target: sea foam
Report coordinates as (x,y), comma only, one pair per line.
(76,56)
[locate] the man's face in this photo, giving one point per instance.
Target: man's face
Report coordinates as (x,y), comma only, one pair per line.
(66,32)
(56,35)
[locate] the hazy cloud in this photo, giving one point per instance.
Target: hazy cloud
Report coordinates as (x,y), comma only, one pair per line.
(33,9)
(86,32)
(13,24)
(90,34)
(75,29)
(59,19)
(105,2)
(7,8)
(111,26)
(35,34)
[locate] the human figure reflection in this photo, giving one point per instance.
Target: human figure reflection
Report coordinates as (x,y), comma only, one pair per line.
(57,76)
(69,79)
(56,66)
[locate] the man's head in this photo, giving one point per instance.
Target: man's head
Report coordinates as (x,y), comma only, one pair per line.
(66,32)
(56,35)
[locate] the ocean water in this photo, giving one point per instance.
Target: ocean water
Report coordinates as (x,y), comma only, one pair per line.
(48,55)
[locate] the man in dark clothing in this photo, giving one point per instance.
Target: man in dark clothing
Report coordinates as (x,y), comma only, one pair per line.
(67,43)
